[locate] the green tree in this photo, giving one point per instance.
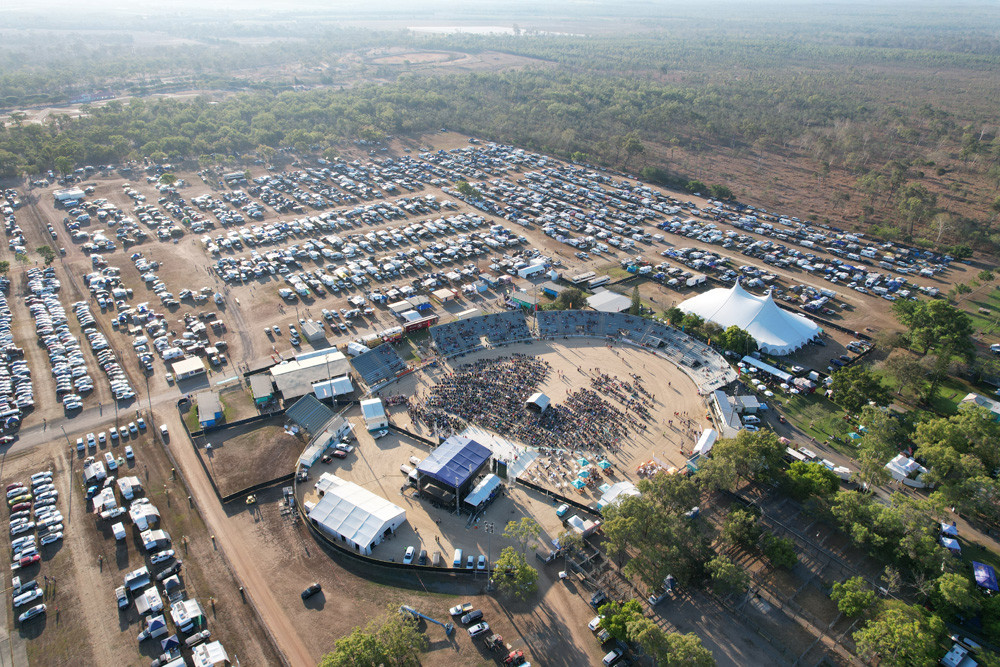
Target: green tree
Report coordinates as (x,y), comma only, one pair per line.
(856,386)
(523,532)
(956,593)
(806,479)
(4,266)
(906,371)
(901,634)
(727,577)
(513,575)
(750,456)
(674,315)
(737,340)
(720,192)
(168,179)
(64,165)
(636,308)
(916,204)
(669,649)
(854,597)
(47,254)
(615,617)
(741,528)
(571,299)
(393,639)
(465,188)
(780,551)
(571,542)
(696,187)
(936,325)
(986,276)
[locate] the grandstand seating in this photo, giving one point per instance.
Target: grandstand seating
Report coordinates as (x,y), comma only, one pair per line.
(466,335)
(379,364)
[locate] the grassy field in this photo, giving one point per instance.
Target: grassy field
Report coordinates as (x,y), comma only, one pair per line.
(983,307)
(821,419)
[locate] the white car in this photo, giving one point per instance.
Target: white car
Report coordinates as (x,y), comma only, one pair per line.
(481,564)
(50,538)
(162,556)
(29,597)
(102,437)
(91,440)
(163,430)
(129,454)
(110,460)
(595,623)
(408,556)
(344,447)
(31,613)
(380,434)
(23,528)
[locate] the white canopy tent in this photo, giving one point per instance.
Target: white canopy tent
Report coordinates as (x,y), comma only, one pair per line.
(776,331)
(354,514)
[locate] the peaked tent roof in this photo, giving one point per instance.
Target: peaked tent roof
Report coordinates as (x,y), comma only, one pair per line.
(776,331)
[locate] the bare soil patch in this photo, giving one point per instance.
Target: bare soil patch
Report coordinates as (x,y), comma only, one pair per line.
(240,458)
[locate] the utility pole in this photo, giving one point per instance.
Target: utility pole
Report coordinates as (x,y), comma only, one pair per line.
(488,526)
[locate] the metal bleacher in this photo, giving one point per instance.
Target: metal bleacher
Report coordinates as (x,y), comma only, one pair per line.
(381,363)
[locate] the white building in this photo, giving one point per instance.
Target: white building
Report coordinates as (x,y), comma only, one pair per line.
(374,414)
(355,516)
(296,378)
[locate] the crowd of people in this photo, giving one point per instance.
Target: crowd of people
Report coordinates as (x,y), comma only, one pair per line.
(492,393)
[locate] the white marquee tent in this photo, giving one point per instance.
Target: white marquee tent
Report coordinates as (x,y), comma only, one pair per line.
(776,331)
(354,514)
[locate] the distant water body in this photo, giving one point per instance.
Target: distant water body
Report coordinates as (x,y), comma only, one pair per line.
(480,30)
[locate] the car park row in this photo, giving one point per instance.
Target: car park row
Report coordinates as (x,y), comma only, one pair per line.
(35,523)
(69,368)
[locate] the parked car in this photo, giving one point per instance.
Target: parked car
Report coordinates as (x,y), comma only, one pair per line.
(37,610)
(472,617)
(408,555)
(129,454)
(311,591)
(613,656)
(479,629)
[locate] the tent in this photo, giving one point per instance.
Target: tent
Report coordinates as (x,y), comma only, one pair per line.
(706,441)
(776,331)
(578,484)
(952,545)
(604,464)
(986,576)
(355,515)
(538,402)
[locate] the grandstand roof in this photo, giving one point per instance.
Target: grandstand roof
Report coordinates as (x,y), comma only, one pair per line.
(295,378)
(455,461)
(309,413)
(776,331)
(609,302)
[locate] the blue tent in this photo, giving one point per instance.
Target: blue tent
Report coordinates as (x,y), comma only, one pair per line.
(455,461)
(986,576)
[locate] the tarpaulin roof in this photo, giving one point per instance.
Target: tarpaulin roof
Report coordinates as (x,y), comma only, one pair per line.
(455,461)
(986,576)
(483,490)
(776,331)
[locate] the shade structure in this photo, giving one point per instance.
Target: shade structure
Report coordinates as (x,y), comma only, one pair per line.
(577,484)
(582,462)
(776,331)
(583,474)
(604,464)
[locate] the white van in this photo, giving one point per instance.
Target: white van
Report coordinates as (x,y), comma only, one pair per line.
(751,419)
(457,560)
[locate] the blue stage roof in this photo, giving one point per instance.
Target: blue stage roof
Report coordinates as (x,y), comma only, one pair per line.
(455,461)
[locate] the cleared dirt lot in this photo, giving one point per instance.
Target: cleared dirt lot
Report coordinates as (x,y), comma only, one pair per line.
(242,457)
